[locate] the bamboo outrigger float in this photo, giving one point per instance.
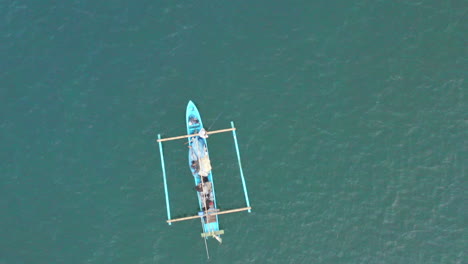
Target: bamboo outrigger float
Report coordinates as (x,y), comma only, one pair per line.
(200,166)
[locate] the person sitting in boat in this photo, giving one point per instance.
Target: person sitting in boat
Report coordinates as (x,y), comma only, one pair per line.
(193,121)
(199,187)
(204,179)
(195,166)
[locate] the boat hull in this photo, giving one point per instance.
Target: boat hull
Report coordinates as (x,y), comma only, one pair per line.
(200,167)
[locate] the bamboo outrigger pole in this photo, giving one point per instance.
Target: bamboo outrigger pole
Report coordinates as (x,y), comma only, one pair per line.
(214,213)
(165,181)
(240,167)
(194,135)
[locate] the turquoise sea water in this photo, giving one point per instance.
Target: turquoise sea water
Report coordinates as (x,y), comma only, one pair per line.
(351,120)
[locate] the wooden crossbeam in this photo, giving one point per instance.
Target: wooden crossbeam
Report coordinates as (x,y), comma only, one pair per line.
(194,135)
(213,233)
(214,213)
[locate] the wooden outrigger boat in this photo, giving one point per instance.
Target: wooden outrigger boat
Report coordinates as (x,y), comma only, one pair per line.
(200,166)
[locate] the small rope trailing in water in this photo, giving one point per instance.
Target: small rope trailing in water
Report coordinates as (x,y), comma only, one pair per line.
(215,120)
(206,247)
